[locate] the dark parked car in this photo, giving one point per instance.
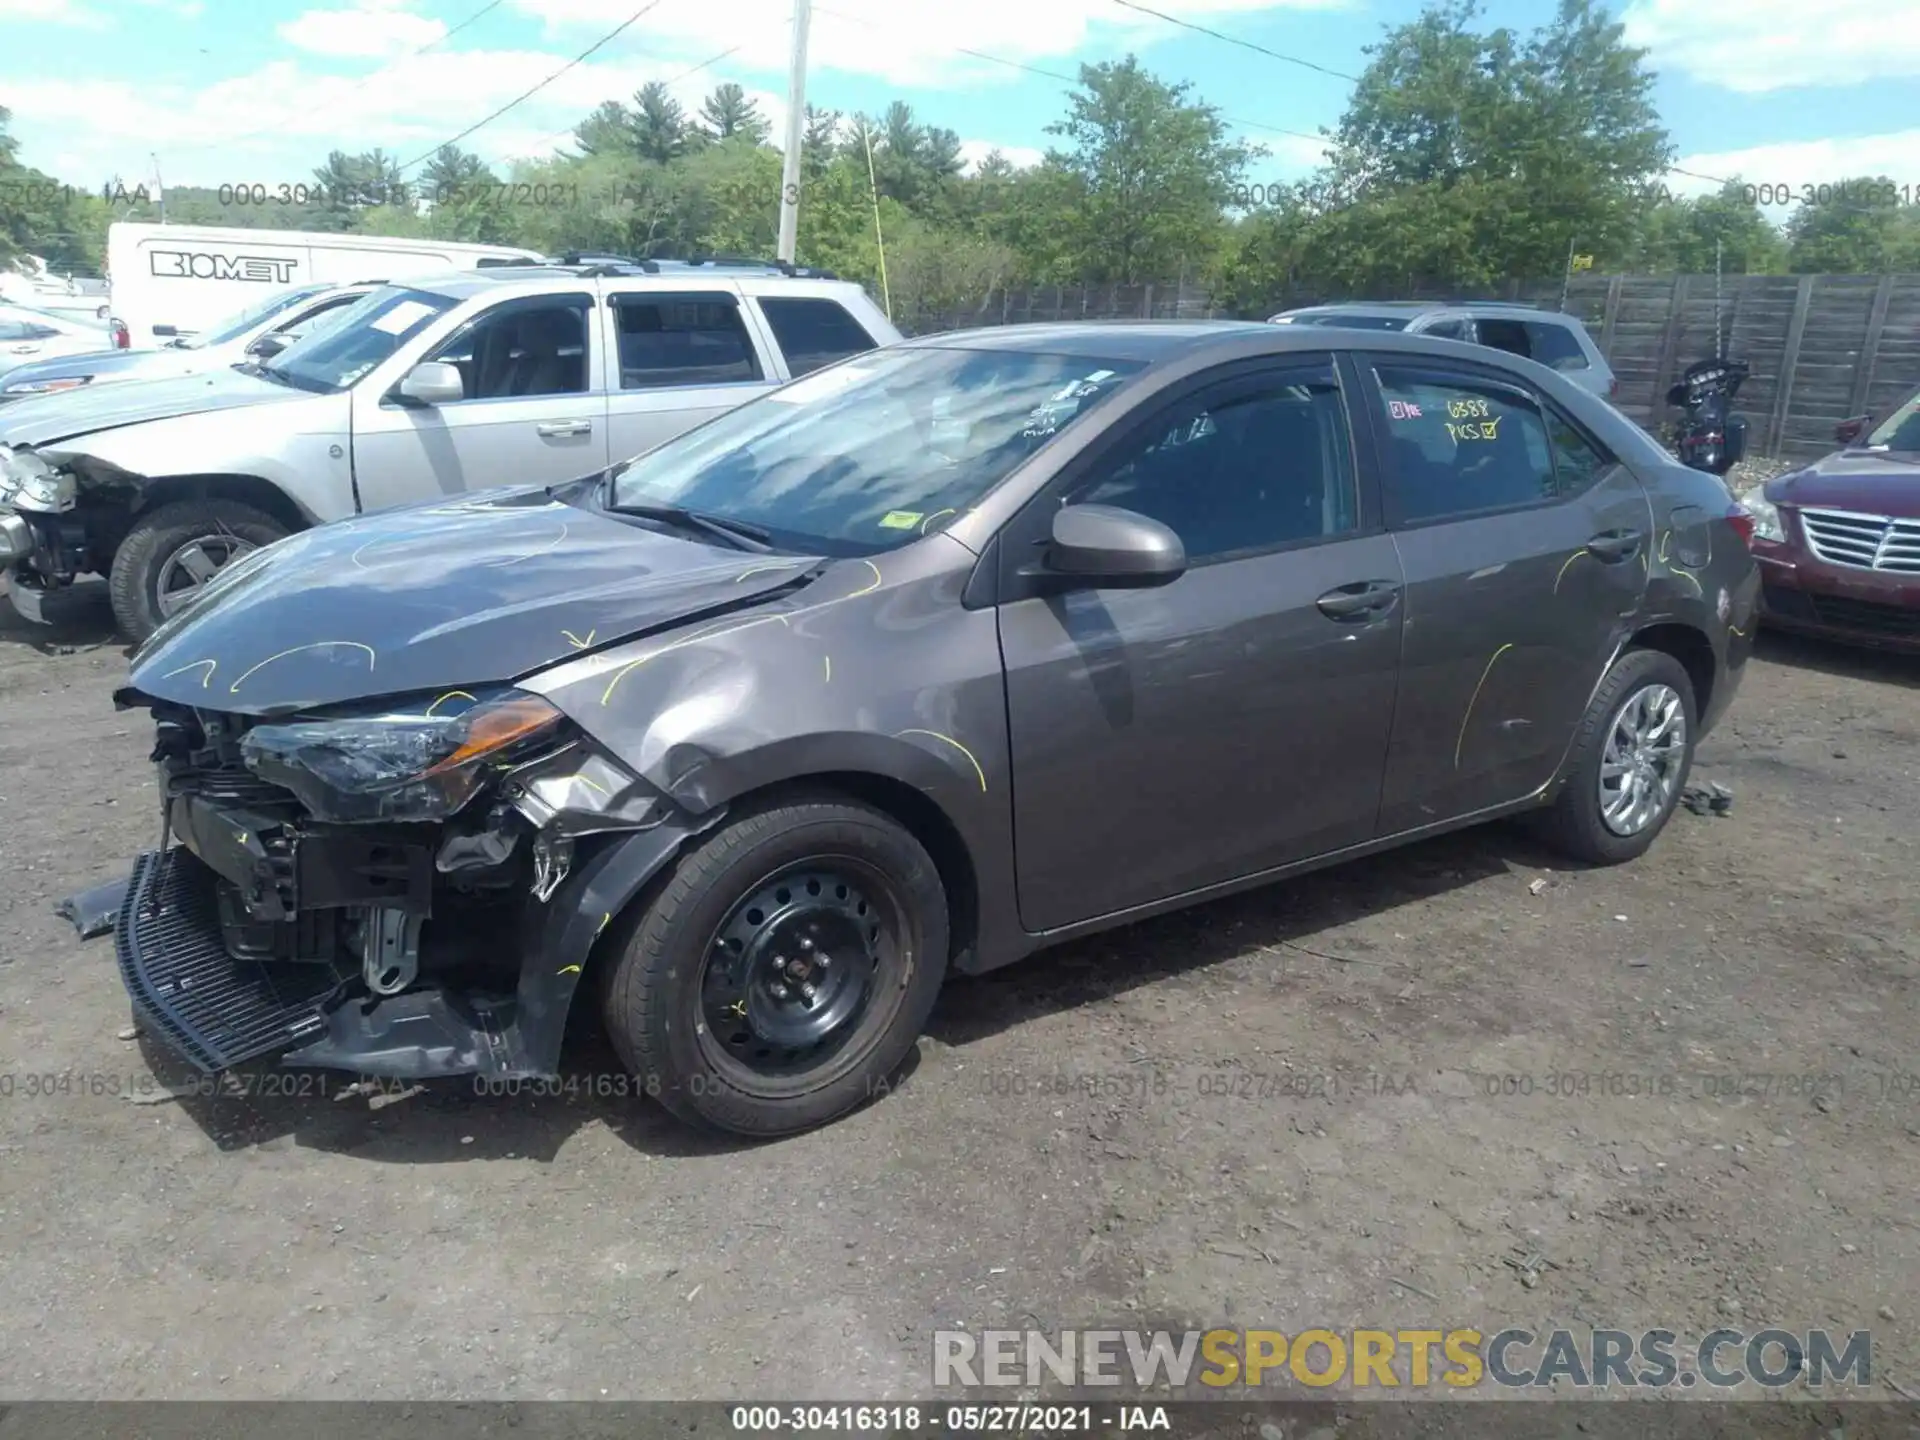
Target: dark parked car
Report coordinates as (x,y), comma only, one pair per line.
(1839,542)
(926,661)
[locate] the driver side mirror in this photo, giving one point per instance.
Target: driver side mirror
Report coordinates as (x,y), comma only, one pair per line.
(1106,547)
(270,345)
(1850,430)
(433,382)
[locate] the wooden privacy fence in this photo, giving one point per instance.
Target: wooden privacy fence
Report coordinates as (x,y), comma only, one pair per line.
(1822,347)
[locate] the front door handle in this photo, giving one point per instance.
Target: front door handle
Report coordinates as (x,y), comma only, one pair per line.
(1613,546)
(561,429)
(1362,600)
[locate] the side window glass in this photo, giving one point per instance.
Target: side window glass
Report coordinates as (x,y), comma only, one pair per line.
(1247,470)
(1507,335)
(1577,462)
(670,340)
(1556,347)
(812,333)
(1449,330)
(521,351)
(1459,447)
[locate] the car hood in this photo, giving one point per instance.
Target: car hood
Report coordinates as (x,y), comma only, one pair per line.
(116,365)
(44,419)
(484,590)
(1869,481)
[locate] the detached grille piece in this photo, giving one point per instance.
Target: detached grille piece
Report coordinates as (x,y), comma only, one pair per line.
(186,988)
(1866,542)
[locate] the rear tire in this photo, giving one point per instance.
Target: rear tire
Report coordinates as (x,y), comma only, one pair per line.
(1619,736)
(169,547)
(705,1004)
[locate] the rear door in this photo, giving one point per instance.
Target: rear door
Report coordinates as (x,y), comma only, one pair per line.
(534,412)
(676,358)
(1169,739)
(1524,547)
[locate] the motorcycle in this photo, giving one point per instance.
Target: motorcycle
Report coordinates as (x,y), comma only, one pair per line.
(1710,437)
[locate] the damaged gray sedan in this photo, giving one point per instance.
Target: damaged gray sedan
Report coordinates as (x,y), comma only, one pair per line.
(919,664)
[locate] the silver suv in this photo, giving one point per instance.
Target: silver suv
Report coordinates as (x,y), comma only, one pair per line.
(507,375)
(1553,339)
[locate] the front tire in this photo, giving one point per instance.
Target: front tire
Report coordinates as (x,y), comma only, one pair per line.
(1630,762)
(172,551)
(782,974)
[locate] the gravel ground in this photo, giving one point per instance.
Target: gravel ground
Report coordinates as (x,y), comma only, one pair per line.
(1326,1103)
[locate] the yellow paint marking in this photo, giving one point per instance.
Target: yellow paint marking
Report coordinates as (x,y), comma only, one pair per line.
(935,516)
(772,569)
(935,734)
(452,695)
(1564,568)
(632,665)
(570,970)
(605,920)
(1458,744)
(594,785)
(550,545)
(575,641)
(211,665)
(295,650)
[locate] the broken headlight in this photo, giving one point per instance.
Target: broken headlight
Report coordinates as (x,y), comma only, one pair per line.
(28,482)
(401,764)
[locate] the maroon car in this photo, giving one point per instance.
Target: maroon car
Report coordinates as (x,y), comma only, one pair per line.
(1839,542)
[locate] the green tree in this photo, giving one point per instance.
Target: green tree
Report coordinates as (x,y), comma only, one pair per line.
(607,131)
(659,124)
(1678,236)
(1146,172)
(1855,229)
(728,114)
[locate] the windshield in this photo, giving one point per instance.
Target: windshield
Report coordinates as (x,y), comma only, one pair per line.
(241,321)
(336,355)
(1900,430)
(876,451)
(1351,322)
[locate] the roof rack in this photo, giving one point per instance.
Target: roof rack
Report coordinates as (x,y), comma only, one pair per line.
(750,262)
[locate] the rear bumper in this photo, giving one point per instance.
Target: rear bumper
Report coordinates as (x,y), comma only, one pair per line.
(1803,593)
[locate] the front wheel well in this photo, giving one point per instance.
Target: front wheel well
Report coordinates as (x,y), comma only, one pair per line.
(250,490)
(1691,648)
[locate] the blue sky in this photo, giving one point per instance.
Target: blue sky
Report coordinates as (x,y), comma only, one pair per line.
(229,91)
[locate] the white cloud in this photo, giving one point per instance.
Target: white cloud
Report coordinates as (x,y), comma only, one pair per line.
(904,42)
(1021,157)
(52,12)
(372,29)
(1755,46)
(1795,166)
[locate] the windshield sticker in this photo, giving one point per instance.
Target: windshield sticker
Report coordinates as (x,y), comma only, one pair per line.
(900,519)
(819,386)
(402,318)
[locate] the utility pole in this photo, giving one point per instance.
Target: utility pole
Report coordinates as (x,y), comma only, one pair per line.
(159,186)
(796,133)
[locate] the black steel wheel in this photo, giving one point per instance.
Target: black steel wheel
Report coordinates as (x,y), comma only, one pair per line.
(783,971)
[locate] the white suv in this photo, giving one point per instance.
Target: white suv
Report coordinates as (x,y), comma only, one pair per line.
(421,389)
(1556,340)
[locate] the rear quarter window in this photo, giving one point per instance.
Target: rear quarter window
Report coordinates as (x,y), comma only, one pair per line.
(1556,347)
(813,333)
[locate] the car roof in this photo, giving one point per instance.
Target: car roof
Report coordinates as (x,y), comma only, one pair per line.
(1423,307)
(1155,342)
(659,275)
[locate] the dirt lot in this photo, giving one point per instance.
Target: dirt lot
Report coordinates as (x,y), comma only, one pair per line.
(1286,1110)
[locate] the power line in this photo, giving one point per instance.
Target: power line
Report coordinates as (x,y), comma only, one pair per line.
(365,80)
(1068,80)
(1235,40)
(528,94)
(670,81)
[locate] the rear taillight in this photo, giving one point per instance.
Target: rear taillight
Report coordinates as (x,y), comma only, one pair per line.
(1613,388)
(122,337)
(1742,522)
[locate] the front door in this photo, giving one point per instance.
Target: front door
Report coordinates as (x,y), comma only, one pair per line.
(534,410)
(677,359)
(1169,739)
(1524,546)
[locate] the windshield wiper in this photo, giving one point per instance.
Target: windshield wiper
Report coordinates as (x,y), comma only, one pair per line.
(736,533)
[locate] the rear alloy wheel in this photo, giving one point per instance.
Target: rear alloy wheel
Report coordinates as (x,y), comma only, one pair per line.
(784,971)
(1630,761)
(171,553)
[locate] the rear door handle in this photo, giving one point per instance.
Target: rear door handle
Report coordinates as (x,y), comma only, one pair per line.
(561,429)
(1614,546)
(1362,600)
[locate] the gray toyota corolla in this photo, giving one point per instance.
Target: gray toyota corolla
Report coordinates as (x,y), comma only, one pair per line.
(924,662)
